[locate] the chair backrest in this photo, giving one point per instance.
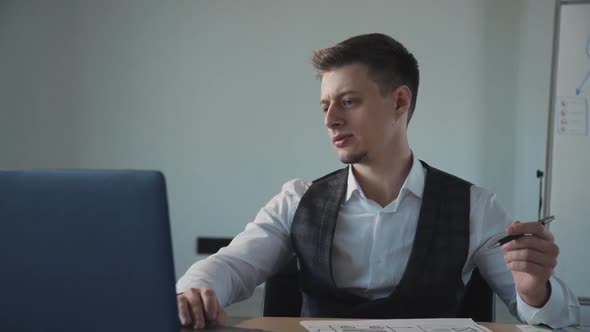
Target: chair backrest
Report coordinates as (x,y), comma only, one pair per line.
(282,297)
(478,303)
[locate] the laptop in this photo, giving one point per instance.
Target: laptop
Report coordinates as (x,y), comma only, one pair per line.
(85,250)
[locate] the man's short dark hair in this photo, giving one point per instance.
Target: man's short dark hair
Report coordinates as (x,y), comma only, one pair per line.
(390,64)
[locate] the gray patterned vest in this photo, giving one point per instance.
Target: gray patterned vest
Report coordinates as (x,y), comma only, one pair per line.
(431,285)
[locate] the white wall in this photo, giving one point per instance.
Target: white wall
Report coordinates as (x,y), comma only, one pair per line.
(221,96)
(38,96)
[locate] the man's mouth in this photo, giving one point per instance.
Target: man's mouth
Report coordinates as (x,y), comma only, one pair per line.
(341,140)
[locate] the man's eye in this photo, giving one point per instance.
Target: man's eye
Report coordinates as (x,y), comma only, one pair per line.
(347,102)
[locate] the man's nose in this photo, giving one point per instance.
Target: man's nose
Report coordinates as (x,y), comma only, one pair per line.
(333,117)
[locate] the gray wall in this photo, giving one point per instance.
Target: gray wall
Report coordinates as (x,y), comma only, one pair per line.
(220,95)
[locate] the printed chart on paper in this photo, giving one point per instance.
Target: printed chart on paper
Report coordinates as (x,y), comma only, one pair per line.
(394,325)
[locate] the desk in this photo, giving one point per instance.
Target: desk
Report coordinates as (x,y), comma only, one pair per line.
(291,324)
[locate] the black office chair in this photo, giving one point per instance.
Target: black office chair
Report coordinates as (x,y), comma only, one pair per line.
(478,303)
(282,297)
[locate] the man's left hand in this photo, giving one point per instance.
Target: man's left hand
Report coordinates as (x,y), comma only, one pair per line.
(531,258)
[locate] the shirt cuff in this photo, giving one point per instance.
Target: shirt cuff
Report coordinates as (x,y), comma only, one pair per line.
(550,313)
(185,283)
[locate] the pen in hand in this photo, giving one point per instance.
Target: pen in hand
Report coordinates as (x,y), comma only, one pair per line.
(509,238)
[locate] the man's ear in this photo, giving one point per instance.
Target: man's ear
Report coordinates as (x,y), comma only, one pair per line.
(402,99)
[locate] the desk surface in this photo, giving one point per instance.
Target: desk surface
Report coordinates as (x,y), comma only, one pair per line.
(291,324)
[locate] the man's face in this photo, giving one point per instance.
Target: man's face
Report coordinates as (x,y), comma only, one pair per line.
(362,123)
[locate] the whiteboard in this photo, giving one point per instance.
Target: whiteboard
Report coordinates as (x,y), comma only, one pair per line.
(568,158)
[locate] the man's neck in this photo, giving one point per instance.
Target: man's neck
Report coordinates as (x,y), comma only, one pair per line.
(382,181)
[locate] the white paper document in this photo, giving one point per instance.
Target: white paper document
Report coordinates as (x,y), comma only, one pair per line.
(395,325)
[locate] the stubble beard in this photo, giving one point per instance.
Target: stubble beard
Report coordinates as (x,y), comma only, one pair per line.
(355,158)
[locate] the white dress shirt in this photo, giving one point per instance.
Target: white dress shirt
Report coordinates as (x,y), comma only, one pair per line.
(371,249)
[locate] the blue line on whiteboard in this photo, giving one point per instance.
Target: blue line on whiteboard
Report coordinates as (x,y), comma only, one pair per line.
(579,89)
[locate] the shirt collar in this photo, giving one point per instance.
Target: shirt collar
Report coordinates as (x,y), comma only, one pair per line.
(352,186)
(414,183)
(416,178)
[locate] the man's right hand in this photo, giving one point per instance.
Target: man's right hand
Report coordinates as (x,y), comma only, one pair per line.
(199,307)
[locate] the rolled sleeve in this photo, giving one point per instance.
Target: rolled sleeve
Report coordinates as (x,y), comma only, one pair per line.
(253,255)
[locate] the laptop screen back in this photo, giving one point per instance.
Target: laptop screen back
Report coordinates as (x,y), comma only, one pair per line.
(85,251)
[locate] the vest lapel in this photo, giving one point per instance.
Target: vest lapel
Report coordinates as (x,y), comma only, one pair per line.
(427,222)
(328,224)
(314,223)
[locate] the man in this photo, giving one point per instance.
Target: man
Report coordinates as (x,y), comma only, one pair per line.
(388,236)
